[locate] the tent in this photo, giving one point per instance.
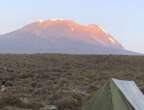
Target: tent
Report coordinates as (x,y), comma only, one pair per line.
(117,95)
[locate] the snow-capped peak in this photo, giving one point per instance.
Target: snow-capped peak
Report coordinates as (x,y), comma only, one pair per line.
(63,29)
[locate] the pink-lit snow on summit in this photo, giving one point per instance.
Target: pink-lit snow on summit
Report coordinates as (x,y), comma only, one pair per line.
(59,29)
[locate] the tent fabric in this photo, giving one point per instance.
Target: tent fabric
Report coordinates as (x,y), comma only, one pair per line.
(116,95)
(118,99)
(101,101)
(132,93)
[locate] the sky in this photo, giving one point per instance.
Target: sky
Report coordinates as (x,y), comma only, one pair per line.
(124,19)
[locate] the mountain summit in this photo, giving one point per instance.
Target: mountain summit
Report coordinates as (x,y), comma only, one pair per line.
(60,36)
(67,29)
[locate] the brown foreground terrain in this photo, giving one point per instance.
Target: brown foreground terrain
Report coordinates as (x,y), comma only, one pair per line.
(66,81)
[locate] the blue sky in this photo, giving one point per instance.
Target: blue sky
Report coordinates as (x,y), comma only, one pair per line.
(124,19)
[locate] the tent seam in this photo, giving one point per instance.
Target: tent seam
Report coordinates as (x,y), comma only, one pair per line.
(111,95)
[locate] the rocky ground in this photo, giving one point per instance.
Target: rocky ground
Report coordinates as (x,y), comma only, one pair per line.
(33,82)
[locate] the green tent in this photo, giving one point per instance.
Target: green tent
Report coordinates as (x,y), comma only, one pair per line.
(117,95)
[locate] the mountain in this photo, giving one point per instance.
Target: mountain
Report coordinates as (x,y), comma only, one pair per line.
(61,36)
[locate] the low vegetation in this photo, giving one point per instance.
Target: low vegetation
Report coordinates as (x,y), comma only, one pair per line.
(65,81)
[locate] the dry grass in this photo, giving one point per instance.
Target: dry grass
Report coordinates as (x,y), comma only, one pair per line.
(67,81)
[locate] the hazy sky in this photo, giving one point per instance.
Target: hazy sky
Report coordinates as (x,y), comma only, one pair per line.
(124,19)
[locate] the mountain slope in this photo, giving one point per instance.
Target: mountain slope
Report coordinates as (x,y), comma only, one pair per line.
(60,36)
